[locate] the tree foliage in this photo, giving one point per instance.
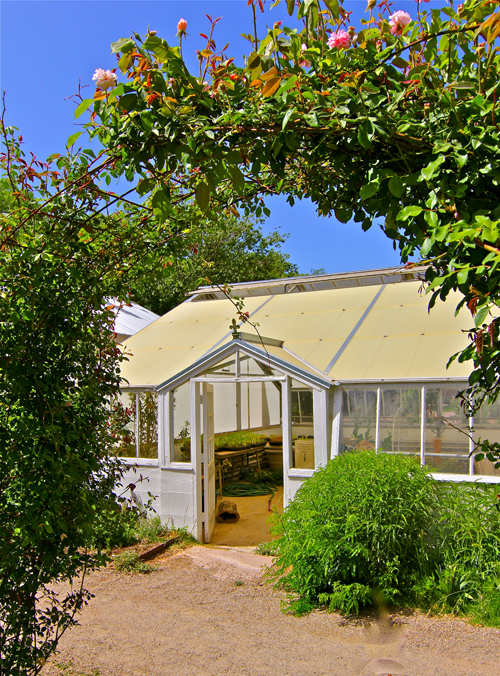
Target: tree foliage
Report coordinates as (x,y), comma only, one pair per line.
(60,256)
(383,121)
(221,251)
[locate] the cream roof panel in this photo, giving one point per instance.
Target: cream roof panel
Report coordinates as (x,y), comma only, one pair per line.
(315,325)
(399,338)
(176,340)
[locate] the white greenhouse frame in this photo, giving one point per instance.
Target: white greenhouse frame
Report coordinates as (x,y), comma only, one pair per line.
(179,489)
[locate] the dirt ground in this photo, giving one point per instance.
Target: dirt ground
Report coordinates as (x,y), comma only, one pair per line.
(206,610)
(253,525)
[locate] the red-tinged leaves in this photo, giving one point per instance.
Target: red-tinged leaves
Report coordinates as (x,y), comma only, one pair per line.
(271,86)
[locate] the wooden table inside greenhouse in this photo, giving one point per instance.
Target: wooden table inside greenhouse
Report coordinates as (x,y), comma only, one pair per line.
(245,457)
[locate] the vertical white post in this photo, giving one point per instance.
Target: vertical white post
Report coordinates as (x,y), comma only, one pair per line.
(196,456)
(377,421)
(162,432)
(423,411)
(136,424)
(168,427)
(472,464)
(286,424)
(320,425)
(237,387)
(336,422)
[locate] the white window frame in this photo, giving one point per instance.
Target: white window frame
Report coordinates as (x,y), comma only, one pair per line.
(423,386)
(137,460)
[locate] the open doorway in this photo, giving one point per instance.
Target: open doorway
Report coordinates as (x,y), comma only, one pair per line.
(249,486)
(247,451)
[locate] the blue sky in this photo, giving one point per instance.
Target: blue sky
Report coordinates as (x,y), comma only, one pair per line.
(47,47)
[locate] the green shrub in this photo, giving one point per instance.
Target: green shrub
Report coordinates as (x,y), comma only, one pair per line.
(370,529)
(358,529)
(469,544)
(114,524)
(130,562)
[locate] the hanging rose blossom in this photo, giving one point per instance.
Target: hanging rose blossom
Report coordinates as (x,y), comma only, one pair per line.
(339,40)
(398,21)
(182,27)
(304,63)
(104,79)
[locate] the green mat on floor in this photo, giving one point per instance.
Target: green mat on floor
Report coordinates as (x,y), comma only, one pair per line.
(243,489)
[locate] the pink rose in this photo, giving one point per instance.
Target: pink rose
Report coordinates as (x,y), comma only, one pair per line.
(398,21)
(304,63)
(104,78)
(339,39)
(182,27)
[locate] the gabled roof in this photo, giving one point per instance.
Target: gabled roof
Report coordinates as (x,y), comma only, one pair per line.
(272,356)
(357,333)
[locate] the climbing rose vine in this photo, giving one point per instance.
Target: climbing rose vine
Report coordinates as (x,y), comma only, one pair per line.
(391,120)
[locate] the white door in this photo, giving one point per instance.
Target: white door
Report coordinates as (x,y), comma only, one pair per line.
(208,459)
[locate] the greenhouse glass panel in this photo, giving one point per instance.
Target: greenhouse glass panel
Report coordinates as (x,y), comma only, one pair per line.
(224,368)
(446,431)
(399,425)
(302,427)
(181,449)
(487,426)
(359,418)
(147,404)
(122,421)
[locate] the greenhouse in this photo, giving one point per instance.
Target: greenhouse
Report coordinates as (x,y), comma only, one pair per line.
(328,363)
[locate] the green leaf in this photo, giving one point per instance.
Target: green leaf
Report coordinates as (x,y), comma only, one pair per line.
(343,214)
(395,186)
(365,131)
(286,118)
(312,119)
(290,5)
(462,275)
(408,212)
(145,185)
(334,7)
(254,61)
(158,46)
(236,176)
(431,218)
(481,314)
(122,45)
(399,62)
(426,246)
(369,190)
(83,106)
(431,169)
(124,62)
(73,138)
(202,195)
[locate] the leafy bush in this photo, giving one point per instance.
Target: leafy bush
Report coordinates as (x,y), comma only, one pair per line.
(114,524)
(371,529)
(358,528)
(467,578)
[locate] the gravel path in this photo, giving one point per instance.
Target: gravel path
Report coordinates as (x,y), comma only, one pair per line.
(207,611)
